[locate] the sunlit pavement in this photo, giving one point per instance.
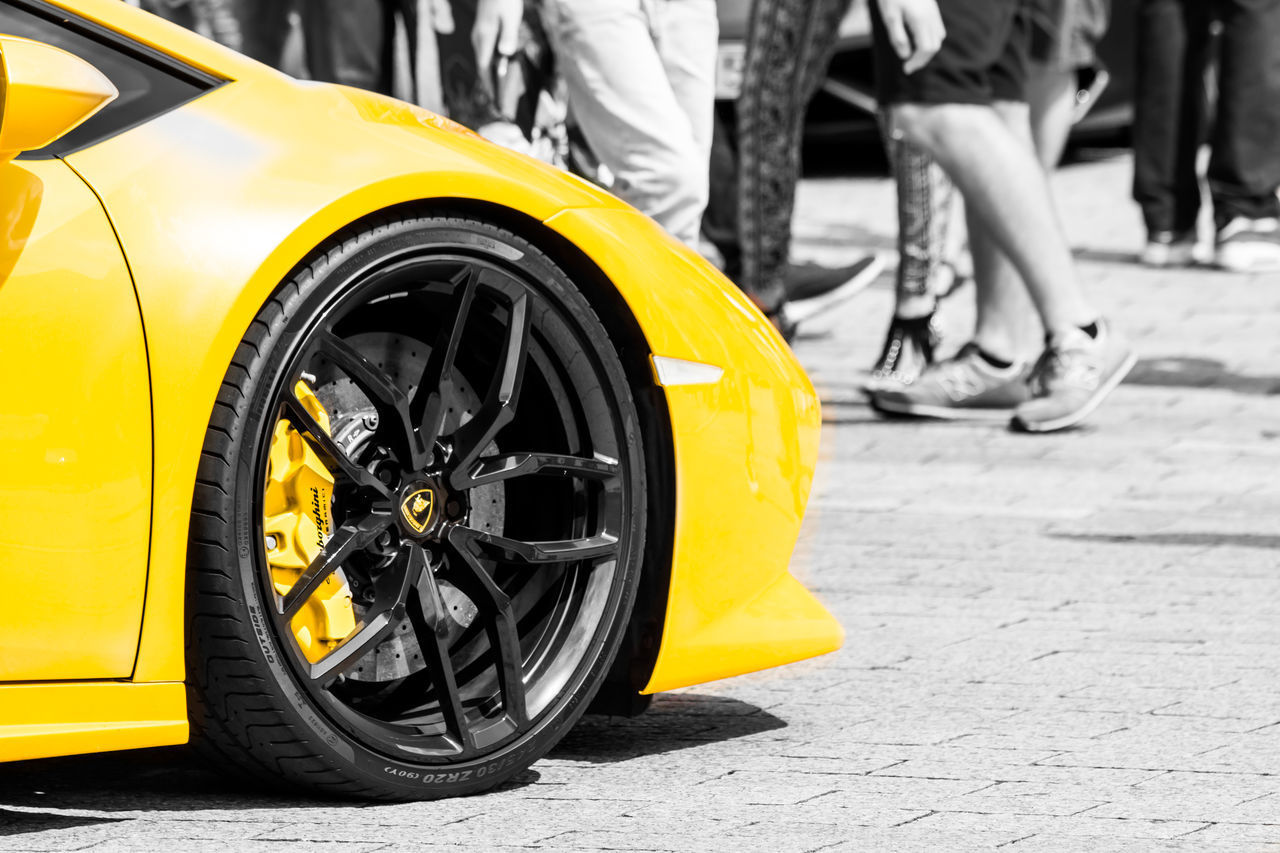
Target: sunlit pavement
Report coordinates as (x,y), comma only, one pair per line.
(1061,642)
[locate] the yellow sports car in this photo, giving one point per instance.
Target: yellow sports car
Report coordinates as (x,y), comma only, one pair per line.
(361,451)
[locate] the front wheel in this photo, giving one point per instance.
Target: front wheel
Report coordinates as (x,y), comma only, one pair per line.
(418,520)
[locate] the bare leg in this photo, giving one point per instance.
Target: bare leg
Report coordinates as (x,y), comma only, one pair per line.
(1052,93)
(1007,193)
(1005,325)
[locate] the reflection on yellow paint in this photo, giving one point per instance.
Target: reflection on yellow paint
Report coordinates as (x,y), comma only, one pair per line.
(20,194)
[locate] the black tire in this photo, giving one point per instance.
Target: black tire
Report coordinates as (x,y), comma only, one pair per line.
(402,719)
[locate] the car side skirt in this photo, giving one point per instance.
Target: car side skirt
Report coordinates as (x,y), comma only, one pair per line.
(48,719)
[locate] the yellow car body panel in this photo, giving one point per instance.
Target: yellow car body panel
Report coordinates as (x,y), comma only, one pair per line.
(216,201)
(44,720)
(75,435)
(745,449)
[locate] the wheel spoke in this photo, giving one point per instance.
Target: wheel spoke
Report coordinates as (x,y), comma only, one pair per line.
(388,609)
(552,551)
(493,469)
(394,425)
(334,458)
(353,648)
(471,576)
(499,405)
(429,618)
(435,387)
(346,540)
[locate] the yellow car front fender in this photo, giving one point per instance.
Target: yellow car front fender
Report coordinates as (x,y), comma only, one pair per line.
(745,447)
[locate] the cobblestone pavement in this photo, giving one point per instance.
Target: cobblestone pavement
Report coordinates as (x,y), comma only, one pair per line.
(1054,643)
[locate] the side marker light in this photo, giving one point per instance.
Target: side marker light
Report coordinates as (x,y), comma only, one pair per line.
(677,371)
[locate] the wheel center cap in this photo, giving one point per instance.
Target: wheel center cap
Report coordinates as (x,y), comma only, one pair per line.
(419,507)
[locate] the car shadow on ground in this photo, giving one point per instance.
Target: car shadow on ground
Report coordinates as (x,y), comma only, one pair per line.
(25,823)
(178,779)
(164,779)
(674,722)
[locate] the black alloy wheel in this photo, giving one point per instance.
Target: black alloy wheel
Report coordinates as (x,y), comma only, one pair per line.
(419,518)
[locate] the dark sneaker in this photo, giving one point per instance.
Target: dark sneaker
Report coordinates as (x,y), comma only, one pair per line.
(966,387)
(1072,377)
(1249,245)
(909,348)
(1169,249)
(813,289)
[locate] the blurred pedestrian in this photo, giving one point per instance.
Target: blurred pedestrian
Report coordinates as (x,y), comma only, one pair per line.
(468,90)
(756,163)
(213,18)
(504,101)
(953,77)
(1171,114)
(640,77)
(352,42)
(1065,77)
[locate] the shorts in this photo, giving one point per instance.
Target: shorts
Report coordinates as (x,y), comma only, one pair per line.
(983,57)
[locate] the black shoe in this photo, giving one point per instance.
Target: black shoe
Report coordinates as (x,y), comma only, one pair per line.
(909,347)
(813,289)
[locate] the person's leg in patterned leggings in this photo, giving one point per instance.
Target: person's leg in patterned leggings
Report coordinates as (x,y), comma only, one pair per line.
(926,198)
(789,45)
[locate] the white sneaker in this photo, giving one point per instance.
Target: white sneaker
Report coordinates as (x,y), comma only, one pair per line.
(1169,249)
(1249,245)
(1072,377)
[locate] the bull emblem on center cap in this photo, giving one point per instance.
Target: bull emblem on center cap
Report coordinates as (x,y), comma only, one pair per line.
(417,508)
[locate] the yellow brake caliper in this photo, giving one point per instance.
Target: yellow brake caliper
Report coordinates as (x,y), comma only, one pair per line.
(297,521)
